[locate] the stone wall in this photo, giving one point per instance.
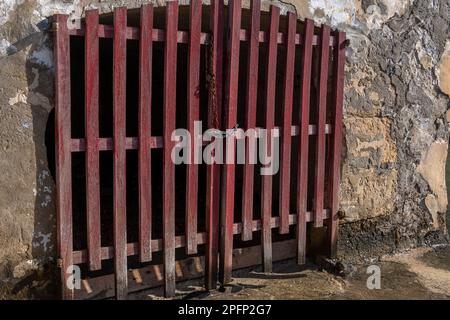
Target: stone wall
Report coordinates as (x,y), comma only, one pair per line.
(393,193)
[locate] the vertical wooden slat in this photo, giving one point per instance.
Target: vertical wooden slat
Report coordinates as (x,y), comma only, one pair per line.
(145,94)
(119,152)
(193,114)
(338,98)
(169,108)
(286,139)
(230,118)
(63,152)
(250,118)
(269,116)
(304,137)
(92,133)
(321,118)
(214,116)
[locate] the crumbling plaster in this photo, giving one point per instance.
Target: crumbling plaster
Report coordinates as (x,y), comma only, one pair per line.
(396,98)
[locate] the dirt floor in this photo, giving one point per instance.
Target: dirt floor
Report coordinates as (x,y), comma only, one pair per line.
(422,273)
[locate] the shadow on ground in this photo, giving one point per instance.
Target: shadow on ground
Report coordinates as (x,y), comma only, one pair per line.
(422,273)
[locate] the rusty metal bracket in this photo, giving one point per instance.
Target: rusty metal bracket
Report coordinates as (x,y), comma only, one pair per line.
(54,27)
(345,44)
(59,263)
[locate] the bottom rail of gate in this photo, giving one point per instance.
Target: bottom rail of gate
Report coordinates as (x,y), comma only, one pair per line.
(151,276)
(146,276)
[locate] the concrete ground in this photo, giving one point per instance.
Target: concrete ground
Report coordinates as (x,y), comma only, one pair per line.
(422,273)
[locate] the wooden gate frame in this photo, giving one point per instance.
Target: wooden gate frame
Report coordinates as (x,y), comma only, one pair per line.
(119,143)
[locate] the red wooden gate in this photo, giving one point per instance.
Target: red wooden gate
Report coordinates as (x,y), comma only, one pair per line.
(222,112)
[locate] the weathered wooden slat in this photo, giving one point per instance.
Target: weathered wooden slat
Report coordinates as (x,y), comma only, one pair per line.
(250,118)
(169,112)
(214,116)
(119,152)
(304,143)
(269,116)
(193,114)
(145,102)
(107,31)
(321,118)
(275,222)
(92,132)
(230,118)
(81,256)
(132,143)
(286,140)
(338,98)
(133,33)
(63,154)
